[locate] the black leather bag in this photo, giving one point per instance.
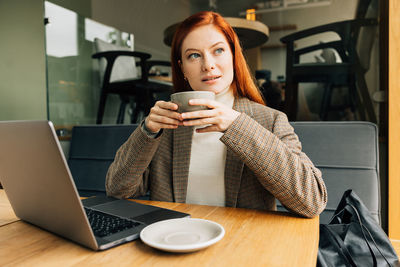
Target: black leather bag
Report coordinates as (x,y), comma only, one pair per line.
(354,238)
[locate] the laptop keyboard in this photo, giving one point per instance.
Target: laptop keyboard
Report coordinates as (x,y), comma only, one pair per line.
(104,224)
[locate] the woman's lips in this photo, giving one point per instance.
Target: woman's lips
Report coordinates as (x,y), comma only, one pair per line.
(211,79)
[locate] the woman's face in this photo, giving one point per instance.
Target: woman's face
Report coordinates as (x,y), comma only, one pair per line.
(207,61)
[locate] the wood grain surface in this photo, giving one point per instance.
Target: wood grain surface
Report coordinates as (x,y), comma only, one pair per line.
(252,238)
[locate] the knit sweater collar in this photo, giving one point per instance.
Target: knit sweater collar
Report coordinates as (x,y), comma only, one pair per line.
(225,97)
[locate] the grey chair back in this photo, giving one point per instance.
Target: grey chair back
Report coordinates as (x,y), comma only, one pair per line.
(345,152)
(347,155)
(92,150)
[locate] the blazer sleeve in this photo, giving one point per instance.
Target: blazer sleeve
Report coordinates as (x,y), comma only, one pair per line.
(273,153)
(128,174)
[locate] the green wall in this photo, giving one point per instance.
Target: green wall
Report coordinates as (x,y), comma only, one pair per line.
(22,60)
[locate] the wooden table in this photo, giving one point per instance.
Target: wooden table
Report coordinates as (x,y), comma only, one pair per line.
(252,238)
(7,214)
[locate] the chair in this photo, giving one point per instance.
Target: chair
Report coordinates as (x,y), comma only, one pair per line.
(119,75)
(354,49)
(348,157)
(270,90)
(92,150)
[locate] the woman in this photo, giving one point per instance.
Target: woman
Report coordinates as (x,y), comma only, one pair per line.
(238,153)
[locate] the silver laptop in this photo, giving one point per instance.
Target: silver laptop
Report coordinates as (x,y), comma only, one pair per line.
(41,190)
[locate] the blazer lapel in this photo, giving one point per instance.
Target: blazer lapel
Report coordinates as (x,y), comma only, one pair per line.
(182,145)
(233,165)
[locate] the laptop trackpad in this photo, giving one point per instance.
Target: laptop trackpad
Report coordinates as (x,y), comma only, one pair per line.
(125,208)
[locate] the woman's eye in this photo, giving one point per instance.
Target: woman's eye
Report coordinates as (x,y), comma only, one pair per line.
(194,55)
(219,51)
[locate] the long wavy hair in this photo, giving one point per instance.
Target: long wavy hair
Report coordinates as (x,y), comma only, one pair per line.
(242,84)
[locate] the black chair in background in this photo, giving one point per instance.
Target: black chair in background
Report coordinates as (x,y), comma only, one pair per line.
(92,150)
(270,90)
(354,48)
(119,75)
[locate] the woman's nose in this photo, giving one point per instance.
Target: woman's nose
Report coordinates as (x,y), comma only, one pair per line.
(208,63)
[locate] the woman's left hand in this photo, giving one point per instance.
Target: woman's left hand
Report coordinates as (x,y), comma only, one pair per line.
(218,117)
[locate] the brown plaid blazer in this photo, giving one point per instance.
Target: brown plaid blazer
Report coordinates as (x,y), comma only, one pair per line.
(264,161)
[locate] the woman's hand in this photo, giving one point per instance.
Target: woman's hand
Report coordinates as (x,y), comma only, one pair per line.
(163,116)
(218,118)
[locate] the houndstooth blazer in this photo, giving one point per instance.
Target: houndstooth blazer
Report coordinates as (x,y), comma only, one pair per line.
(264,161)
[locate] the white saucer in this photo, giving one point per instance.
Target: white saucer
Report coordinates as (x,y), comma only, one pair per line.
(182,235)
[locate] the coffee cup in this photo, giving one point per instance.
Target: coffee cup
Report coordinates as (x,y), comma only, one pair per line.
(182,100)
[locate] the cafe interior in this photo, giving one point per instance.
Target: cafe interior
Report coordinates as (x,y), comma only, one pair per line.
(94,68)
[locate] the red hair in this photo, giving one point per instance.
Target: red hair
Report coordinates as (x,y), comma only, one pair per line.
(242,84)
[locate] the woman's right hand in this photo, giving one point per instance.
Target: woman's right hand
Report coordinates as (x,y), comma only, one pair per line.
(163,116)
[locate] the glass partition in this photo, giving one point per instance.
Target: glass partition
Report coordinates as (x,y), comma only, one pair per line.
(312,28)
(74,84)
(73,78)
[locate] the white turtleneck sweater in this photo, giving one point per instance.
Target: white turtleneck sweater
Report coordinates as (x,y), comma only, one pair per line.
(206,183)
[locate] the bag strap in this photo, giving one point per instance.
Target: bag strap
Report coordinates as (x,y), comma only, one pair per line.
(363,228)
(334,238)
(336,216)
